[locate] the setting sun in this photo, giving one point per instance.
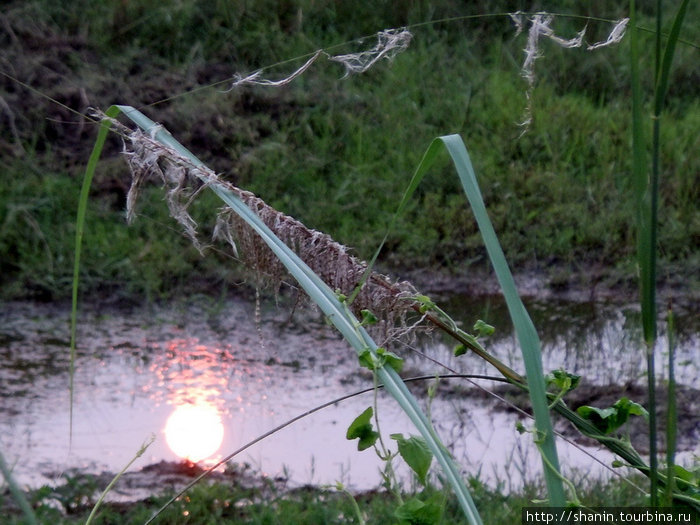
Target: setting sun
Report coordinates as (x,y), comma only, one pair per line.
(194,432)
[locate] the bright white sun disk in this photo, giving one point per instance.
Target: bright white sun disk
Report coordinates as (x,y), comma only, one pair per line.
(194,432)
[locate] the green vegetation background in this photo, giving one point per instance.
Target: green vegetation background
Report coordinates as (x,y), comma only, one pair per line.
(335,152)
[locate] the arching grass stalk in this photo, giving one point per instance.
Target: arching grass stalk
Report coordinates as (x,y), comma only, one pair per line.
(184,162)
(111,484)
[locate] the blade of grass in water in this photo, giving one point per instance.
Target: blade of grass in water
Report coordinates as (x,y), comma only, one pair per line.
(139,453)
(79,231)
(327,301)
(525,330)
(671,414)
(622,449)
(645,250)
(647,196)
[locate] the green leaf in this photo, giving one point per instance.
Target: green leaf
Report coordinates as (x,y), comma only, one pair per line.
(425,302)
(366,359)
(416,454)
(361,428)
(368,318)
(629,408)
(390,358)
(417,512)
(600,417)
(687,481)
(562,380)
(460,349)
(483,329)
(607,420)
(380,358)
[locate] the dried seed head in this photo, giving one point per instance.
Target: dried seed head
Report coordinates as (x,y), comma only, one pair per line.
(331,261)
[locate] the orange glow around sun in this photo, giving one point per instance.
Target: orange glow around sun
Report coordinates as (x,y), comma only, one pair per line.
(194,432)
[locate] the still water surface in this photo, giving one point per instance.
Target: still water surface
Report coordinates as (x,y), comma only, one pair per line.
(137,366)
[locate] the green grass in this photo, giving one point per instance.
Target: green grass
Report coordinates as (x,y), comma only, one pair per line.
(557,196)
(38,229)
(230,503)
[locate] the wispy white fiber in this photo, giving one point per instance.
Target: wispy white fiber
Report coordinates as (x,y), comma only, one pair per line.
(615,36)
(517,19)
(540,26)
(390,42)
(256,78)
(331,261)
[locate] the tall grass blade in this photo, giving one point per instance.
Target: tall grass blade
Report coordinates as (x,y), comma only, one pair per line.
(527,335)
(622,449)
(139,453)
(667,60)
(79,232)
(645,249)
(647,197)
(671,412)
(17,493)
(525,329)
(327,301)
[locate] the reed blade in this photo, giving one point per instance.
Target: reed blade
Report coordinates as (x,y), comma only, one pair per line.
(79,232)
(329,304)
(646,196)
(17,493)
(525,330)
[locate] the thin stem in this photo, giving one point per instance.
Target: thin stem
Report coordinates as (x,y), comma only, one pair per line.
(111,484)
(291,421)
(671,421)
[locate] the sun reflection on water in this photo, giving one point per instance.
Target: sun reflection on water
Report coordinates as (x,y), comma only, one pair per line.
(194,431)
(193,378)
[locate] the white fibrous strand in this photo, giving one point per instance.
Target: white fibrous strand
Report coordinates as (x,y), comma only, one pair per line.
(389,43)
(615,36)
(257,79)
(540,26)
(517,19)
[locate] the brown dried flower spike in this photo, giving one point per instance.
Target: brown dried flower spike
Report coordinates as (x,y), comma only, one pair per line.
(330,260)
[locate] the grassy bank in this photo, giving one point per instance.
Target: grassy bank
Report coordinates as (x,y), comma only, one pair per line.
(265,504)
(334,153)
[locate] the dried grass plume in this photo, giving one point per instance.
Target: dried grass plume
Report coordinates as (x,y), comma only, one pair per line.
(149,159)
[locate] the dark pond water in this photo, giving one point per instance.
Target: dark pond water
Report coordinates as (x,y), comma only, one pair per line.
(137,366)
